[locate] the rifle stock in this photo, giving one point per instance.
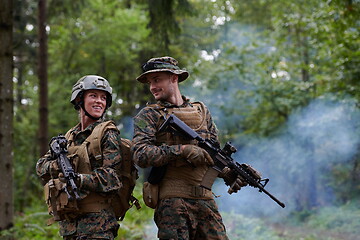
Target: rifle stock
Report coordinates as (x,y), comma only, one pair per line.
(222,157)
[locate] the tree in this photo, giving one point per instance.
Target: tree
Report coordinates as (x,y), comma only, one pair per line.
(274,64)
(163,22)
(25,88)
(42,74)
(6,115)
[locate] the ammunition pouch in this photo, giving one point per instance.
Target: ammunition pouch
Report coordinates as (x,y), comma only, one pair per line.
(56,198)
(62,208)
(151,194)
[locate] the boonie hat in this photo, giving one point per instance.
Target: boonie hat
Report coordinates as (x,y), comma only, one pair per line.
(162,64)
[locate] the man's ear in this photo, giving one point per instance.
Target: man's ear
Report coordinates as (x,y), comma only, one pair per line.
(174,77)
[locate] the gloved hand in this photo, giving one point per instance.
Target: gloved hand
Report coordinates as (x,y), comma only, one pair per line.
(196,156)
(232,179)
(62,177)
(54,168)
(77,179)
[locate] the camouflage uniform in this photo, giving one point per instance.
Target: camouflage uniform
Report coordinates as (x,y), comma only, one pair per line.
(103,179)
(175,217)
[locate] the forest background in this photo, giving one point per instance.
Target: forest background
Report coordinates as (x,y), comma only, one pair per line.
(281,79)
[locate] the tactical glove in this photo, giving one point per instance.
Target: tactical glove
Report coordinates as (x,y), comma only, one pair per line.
(232,179)
(77,180)
(196,156)
(54,169)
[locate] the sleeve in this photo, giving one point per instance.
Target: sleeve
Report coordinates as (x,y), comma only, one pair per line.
(47,168)
(211,127)
(145,151)
(104,178)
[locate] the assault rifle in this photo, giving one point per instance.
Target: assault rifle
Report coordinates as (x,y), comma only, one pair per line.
(58,148)
(222,157)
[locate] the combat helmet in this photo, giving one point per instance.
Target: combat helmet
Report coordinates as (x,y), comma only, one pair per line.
(86,83)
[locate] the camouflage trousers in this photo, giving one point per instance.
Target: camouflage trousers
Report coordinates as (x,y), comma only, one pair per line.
(103,235)
(102,225)
(189,219)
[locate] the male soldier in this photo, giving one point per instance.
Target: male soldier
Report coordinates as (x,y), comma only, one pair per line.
(93,217)
(185,210)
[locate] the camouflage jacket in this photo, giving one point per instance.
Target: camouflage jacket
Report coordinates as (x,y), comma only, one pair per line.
(103,179)
(146,153)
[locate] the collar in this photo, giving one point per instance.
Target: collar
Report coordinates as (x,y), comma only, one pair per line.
(90,128)
(170,105)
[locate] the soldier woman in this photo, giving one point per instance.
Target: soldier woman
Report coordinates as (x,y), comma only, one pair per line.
(92,216)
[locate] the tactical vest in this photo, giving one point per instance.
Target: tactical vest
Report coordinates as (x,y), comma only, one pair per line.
(80,156)
(181,179)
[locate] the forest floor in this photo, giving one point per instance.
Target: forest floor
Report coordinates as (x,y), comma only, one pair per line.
(303,233)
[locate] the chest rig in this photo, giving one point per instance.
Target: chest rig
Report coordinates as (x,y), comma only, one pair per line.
(194,115)
(83,157)
(181,179)
(59,205)
(89,149)
(90,152)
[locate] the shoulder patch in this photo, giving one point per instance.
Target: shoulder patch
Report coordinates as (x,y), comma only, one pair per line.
(141,123)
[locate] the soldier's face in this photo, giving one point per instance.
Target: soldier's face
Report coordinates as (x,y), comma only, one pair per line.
(162,85)
(95,102)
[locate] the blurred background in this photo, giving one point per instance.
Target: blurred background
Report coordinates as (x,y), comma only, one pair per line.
(280,77)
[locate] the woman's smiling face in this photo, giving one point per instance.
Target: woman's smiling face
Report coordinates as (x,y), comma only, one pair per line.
(95,102)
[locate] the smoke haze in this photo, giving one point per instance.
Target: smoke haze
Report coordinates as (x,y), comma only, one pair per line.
(298,161)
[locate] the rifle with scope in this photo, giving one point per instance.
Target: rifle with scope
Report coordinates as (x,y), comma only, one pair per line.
(222,158)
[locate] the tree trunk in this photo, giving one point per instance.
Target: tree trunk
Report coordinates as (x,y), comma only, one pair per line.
(42,74)
(6,115)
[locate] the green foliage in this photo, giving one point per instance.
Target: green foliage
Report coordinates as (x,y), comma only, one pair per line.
(26,147)
(264,74)
(254,63)
(281,69)
(107,43)
(326,223)
(345,219)
(162,20)
(242,227)
(31,224)
(344,177)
